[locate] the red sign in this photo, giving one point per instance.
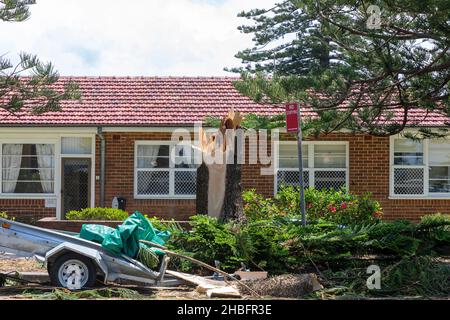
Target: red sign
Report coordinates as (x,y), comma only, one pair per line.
(292,117)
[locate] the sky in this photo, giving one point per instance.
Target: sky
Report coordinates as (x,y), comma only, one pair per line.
(133,37)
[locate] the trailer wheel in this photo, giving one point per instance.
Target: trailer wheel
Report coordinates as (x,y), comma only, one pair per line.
(73,271)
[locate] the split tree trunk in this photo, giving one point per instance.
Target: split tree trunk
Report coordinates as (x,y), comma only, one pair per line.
(219,186)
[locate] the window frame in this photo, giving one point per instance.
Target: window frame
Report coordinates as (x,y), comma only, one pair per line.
(41,195)
(311,169)
(426,167)
(171,169)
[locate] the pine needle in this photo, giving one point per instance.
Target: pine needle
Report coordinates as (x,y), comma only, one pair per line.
(148,258)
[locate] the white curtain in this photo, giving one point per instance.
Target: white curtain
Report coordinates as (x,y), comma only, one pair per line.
(184,156)
(45,154)
(150,153)
(12,159)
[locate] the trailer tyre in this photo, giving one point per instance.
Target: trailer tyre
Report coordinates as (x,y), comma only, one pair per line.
(73,271)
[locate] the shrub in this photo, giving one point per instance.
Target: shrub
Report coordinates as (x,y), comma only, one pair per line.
(4,215)
(257,207)
(421,276)
(109,214)
(281,244)
(434,230)
(208,240)
(336,206)
(172,226)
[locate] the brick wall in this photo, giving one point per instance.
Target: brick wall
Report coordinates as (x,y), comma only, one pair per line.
(368,168)
(120,178)
(369,172)
(26,210)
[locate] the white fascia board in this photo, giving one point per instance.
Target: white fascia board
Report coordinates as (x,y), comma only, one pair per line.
(49,129)
(170,129)
(145,129)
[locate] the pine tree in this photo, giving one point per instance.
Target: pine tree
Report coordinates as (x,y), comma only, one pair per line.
(356,63)
(35,90)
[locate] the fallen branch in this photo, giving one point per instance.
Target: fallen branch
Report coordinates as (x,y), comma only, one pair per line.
(198,262)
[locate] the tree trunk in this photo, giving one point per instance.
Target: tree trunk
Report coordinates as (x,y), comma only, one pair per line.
(233,206)
(202,189)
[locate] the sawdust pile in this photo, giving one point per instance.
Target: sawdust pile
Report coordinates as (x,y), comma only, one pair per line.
(283,286)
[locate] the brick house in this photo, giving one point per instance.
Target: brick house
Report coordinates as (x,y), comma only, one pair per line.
(116,141)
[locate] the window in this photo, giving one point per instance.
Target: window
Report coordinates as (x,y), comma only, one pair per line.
(420,168)
(288,174)
(408,167)
(439,170)
(159,174)
(76,145)
(28,168)
(324,164)
(408,152)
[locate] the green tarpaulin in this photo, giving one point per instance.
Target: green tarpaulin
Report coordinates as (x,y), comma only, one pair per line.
(125,238)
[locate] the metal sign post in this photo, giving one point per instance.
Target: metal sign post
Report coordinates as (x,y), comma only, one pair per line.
(293,124)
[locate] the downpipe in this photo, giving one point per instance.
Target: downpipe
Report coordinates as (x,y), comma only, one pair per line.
(102,165)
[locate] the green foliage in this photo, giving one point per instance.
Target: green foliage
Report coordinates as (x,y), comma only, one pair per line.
(337,206)
(322,53)
(209,240)
(282,244)
(108,214)
(272,237)
(37,88)
(434,230)
(393,237)
(434,220)
(252,121)
(148,257)
(171,225)
(422,276)
(4,215)
(15,10)
(418,276)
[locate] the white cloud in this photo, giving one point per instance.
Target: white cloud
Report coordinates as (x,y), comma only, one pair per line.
(134,37)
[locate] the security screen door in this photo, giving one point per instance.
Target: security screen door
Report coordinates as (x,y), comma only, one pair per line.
(76,186)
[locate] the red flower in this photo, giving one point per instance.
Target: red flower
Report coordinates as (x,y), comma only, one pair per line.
(377,214)
(309,206)
(343,206)
(331,208)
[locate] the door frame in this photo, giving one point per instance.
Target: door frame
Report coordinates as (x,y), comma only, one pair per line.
(90,189)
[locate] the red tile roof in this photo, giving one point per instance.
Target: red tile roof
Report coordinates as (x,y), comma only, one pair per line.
(156,101)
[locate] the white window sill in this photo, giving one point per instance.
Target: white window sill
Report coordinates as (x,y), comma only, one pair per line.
(443,197)
(162,197)
(24,196)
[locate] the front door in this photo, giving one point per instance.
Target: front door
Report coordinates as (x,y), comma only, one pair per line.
(76,184)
